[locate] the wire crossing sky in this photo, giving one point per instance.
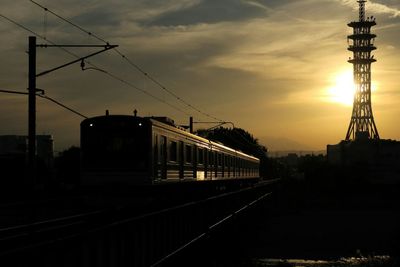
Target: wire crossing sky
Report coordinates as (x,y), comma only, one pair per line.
(102,70)
(146,74)
(277,69)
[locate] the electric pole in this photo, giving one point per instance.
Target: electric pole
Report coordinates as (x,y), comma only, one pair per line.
(32,94)
(32,109)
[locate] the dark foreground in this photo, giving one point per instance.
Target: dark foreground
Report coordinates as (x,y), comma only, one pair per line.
(353,226)
(299,224)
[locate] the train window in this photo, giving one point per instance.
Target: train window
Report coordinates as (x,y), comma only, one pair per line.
(216,164)
(163,140)
(163,148)
(201,156)
(155,148)
(181,151)
(188,153)
(163,155)
(215,158)
(194,154)
(173,149)
(233,162)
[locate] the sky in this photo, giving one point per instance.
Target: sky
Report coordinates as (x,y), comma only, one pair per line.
(276,68)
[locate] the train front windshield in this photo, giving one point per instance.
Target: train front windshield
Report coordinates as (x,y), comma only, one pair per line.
(114,144)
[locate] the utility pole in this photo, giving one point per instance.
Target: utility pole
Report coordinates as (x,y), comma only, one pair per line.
(32,90)
(32,109)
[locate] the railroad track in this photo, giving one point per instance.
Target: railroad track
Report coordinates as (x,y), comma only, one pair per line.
(23,236)
(143,237)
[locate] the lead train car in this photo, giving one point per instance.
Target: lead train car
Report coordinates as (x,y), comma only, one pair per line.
(131,150)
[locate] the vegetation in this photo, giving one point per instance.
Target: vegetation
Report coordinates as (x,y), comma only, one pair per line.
(242,140)
(236,138)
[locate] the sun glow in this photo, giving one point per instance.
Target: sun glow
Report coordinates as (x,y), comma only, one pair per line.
(343,90)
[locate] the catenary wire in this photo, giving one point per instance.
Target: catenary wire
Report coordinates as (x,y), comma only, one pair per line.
(130,62)
(61,105)
(115,77)
(80,114)
(106,72)
(37,35)
(45,97)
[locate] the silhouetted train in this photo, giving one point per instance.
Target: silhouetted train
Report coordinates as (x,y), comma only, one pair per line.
(123,149)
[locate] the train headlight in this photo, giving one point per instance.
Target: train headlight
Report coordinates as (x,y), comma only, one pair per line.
(140,124)
(91,125)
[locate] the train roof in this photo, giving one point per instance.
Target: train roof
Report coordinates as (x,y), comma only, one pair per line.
(194,136)
(166,123)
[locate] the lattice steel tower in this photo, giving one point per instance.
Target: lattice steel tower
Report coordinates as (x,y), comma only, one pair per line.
(362,124)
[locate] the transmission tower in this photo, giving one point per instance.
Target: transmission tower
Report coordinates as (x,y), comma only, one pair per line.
(362,124)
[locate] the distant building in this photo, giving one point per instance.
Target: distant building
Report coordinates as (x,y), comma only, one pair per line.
(13,144)
(292,159)
(381,158)
(18,145)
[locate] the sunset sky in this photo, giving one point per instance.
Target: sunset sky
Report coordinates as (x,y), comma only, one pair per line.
(276,68)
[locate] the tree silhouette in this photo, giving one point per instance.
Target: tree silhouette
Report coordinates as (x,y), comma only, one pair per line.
(239,139)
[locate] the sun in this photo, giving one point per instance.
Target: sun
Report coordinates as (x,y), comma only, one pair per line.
(343,90)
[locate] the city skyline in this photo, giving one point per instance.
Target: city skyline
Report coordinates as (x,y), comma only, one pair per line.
(275,68)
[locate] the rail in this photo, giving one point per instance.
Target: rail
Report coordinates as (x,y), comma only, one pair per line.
(97,239)
(209,230)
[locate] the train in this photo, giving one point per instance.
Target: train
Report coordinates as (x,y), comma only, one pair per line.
(133,150)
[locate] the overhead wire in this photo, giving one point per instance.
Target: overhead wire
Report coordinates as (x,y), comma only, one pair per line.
(106,72)
(115,77)
(13,92)
(45,97)
(61,105)
(237,132)
(137,67)
(37,34)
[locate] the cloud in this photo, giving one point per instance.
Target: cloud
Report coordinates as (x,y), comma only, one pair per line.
(374,8)
(383,9)
(241,60)
(209,11)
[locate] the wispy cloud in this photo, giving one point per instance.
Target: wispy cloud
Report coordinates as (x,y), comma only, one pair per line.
(373,7)
(243,60)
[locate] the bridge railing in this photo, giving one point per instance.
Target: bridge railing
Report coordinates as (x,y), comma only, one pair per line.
(147,240)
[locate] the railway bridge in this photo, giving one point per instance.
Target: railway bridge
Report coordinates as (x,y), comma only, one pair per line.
(191,231)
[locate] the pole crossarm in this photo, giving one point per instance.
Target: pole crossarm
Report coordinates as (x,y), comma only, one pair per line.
(33,92)
(106,47)
(75,45)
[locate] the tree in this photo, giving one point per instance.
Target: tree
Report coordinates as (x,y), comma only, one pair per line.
(239,139)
